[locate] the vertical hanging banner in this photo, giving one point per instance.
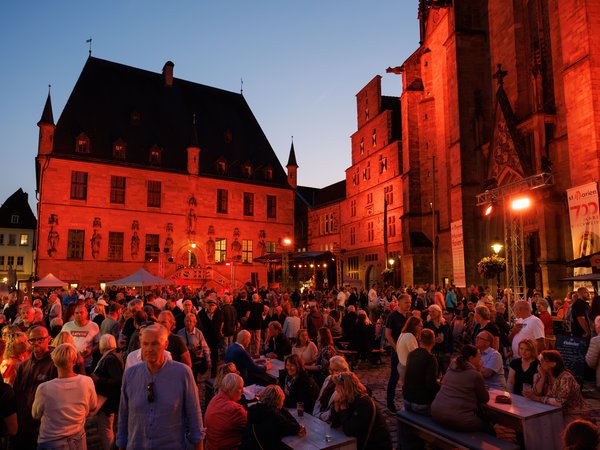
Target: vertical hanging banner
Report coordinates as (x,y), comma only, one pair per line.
(584,215)
(458,254)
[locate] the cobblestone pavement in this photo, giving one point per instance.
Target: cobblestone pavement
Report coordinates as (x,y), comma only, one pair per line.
(375,376)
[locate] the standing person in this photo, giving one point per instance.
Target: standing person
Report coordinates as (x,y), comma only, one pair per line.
(526,326)
(291,325)
(16,351)
(314,321)
(420,381)
(441,330)
(54,308)
(450,299)
(211,321)
(8,413)
(580,325)
(111,324)
(230,320)
(30,374)
(107,378)
(176,346)
(393,327)
(159,400)
(86,334)
(196,344)
(63,404)
(254,323)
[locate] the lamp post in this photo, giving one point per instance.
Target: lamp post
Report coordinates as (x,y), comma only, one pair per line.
(391,262)
(497,247)
(285,264)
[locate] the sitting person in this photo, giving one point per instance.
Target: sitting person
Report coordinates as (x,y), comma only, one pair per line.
(268,422)
(320,369)
(297,385)
(305,348)
(225,418)
(461,393)
(251,372)
(522,369)
(592,357)
(362,337)
(554,385)
(492,366)
(420,381)
(581,435)
(278,345)
(358,415)
(327,395)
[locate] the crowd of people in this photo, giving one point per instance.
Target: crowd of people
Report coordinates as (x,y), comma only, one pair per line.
(139,362)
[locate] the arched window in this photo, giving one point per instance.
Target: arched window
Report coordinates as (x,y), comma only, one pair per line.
(82,143)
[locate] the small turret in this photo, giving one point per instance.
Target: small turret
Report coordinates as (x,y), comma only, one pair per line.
(47,127)
(292,168)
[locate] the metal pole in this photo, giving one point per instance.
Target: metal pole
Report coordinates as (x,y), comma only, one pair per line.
(433,227)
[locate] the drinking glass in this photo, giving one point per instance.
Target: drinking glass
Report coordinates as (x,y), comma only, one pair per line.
(300,409)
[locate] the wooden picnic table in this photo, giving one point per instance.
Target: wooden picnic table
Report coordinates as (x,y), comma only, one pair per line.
(540,424)
(319,435)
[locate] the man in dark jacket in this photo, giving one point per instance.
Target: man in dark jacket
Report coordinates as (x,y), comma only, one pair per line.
(278,345)
(211,320)
(251,372)
(420,380)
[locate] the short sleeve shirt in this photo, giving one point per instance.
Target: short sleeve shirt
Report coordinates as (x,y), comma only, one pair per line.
(533,328)
(395,322)
(579,308)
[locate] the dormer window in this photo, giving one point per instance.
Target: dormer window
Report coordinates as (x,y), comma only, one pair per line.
(119,149)
(221,167)
(247,170)
(14,219)
(268,173)
(155,154)
(82,143)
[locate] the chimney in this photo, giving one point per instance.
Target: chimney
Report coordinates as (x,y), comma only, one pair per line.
(168,73)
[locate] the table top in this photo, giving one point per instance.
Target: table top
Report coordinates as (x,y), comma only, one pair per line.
(521,407)
(316,430)
(276,366)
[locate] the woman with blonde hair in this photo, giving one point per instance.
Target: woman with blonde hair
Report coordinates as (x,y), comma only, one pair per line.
(523,368)
(16,351)
(327,395)
(268,421)
(406,343)
(357,414)
(64,337)
(63,403)
(305,348)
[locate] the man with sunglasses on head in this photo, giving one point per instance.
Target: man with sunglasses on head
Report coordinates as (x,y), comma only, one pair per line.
(159,400)
(35,370)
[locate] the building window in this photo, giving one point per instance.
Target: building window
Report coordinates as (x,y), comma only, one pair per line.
(374,137)
(220,250)
(152,247)
(14,219)
(119,149)
(271,247)
(367,172)
(246,251)
(352,208)
(11,261)
(389,194)
(247,170)
(369,198)
(155,155)
(82,143)
(352,266)
(154,193)
(19,262)
(271,207)
(326,224)
(248,204)
(79,185)
(362,146)
(2,261)
(382,164)
(391,226)
(24,239)
(75,244)
(221,167)
(222,195)
(371,257)
(370,232)
(115,246)
(352,235)
(269,173)
(117,189)
(12,239)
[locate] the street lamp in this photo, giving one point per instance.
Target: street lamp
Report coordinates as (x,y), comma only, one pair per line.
(497,248)
(286,242)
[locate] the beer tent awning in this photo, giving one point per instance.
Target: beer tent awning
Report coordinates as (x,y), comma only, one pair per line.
(140,278)
(50,281)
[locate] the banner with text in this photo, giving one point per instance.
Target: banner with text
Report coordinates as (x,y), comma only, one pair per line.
(458,254)
(584,215)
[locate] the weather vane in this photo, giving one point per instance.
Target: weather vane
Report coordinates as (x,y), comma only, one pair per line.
(89,41)
(242,86)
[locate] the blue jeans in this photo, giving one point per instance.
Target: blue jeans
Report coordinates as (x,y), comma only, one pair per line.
(75,442)
(424,410)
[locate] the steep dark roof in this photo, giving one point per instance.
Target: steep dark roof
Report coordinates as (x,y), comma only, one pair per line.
(307,194)
(47,116)
(17,204)
(292,157)
(111,101)
(330,194)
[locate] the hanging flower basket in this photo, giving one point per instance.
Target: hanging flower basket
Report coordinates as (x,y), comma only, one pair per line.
(387,273)
(490,266)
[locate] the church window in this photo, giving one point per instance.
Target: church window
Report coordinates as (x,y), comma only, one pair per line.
(271,206)
(352,235)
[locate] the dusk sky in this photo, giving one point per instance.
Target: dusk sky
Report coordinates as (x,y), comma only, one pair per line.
(302,64)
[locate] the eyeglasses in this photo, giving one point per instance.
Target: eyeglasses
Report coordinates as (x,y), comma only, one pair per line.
(150,389)
(34,340)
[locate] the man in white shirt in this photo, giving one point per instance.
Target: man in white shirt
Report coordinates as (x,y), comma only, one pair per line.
(527,326)
(373,296)
(86,334)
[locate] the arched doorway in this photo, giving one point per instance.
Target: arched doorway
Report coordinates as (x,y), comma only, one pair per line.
(370,277)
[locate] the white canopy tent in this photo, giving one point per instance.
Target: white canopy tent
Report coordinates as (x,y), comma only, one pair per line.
(140,278)
(50,281)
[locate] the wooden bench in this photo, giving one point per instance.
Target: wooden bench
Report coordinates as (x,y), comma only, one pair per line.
(376,354)
(415,428)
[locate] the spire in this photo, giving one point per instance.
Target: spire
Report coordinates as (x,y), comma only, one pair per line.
(292,158)
(47,116)
(194,137)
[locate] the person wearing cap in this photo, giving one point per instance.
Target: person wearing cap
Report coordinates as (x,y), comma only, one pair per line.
(211,320)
